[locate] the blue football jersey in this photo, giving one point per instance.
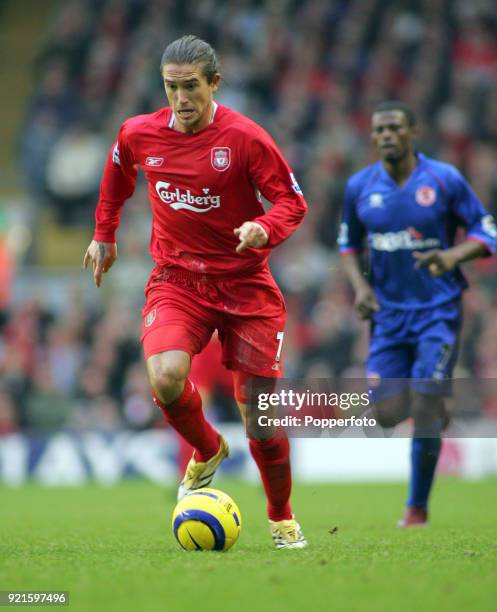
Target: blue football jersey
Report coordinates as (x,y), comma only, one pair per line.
(421,215)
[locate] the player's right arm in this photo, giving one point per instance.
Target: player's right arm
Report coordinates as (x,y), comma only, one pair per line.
(101,255)
(118,184)
(350,242)
(365,299)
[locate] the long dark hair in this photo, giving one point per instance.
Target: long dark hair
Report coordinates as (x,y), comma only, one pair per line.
(191,50)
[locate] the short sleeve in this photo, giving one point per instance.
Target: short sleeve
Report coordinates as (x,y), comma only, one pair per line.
(480,225)
(352,231)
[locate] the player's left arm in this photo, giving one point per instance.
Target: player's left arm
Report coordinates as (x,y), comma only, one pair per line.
(481,231)
(440,261)
(251,235)
(274,178)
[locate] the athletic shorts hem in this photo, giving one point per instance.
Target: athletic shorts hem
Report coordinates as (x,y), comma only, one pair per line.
(167,347)
(440,388)
(267,373)
(386,388)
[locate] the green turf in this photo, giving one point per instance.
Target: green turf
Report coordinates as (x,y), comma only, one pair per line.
(112,548)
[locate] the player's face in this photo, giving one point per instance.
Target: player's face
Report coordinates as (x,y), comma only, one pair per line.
(392,135)
(190,95)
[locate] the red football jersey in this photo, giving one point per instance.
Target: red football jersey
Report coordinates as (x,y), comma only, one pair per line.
(201,187)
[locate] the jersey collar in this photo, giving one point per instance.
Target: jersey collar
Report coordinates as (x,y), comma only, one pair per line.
(420,160)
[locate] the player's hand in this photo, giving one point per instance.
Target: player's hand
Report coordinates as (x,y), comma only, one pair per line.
(437,261)
(251,235)
(366,303)
(101,255)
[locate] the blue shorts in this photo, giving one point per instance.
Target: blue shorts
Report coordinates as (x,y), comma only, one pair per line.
(420,345)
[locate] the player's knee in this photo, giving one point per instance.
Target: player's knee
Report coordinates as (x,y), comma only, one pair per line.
(250,390)
(391,411)
(167,373)
(426,411)
(385,419)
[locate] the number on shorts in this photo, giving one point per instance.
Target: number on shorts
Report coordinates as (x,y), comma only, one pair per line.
(279,337)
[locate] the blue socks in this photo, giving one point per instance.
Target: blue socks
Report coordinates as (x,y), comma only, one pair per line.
(424,457)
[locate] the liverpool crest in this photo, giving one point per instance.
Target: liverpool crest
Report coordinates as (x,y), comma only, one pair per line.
(150,318)
(220,158)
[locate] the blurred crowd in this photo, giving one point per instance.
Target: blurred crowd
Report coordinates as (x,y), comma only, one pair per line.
(310,72)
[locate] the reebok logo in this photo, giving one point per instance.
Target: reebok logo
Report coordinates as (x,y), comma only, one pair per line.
(154,161)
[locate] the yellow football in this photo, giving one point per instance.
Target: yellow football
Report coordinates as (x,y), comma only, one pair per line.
(206,519)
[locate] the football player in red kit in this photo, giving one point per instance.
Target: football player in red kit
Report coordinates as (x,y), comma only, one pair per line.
(206,167)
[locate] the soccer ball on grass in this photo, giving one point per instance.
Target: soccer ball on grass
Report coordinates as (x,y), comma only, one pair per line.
(206,519)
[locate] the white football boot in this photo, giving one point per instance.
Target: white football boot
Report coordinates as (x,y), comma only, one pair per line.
(287,534)
(199,475)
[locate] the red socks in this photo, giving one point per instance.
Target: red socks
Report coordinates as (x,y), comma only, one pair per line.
(185,415)
(273,460)
(272,456)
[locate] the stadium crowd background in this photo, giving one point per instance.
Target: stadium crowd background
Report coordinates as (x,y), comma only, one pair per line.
(310,73)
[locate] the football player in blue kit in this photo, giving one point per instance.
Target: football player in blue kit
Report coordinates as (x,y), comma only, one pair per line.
(406,208)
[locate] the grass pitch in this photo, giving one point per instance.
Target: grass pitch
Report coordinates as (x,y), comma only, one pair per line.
(113,549)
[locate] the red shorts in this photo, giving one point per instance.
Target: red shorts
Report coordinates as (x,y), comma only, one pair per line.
(182,309)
